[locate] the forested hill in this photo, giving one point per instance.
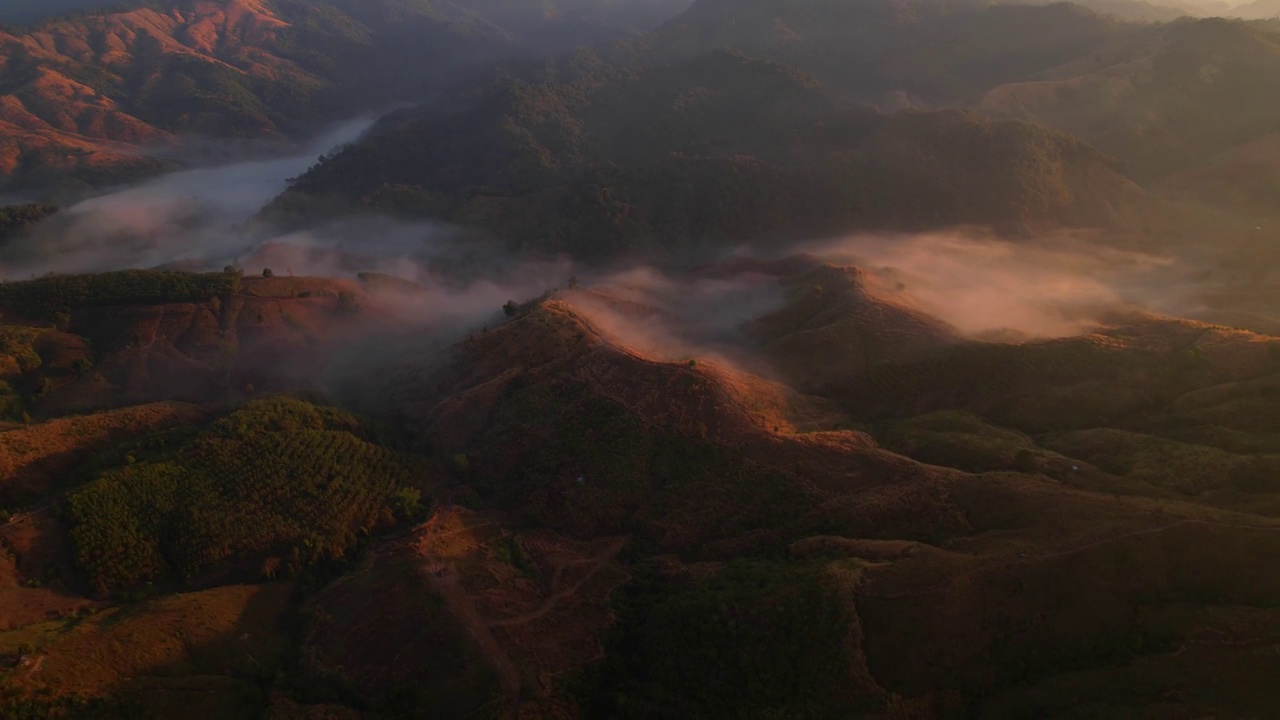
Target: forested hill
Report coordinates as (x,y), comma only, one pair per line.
(79,94)
(646,145)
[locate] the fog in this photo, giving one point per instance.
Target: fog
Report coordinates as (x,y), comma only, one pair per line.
(669,318)
(193,218)
(986,287)
(1053,286)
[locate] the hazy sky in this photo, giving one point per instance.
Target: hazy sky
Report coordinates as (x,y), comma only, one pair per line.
(25,11)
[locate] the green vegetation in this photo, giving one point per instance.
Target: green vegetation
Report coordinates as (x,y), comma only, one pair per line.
(278,477)
(964,441)
(1180,466)
(407,503)
(718,148)
(18,343)
(46,297)
(1038,387)
(757,639)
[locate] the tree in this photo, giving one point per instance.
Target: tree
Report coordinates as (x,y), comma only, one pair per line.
(510,308)
(407,502)
(266,272)
(573,283)
(347,302)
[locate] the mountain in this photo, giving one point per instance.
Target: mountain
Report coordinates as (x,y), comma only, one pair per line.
(1164,102)
(625,442)
(932,52)
(1256,10)
(840,321)
(724,147)
(1244,178)
(792,359)
(85,96)
(134,337)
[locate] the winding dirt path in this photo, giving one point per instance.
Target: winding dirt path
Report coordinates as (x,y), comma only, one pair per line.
(26,515)
(442,579)
(556,596)
(444,582)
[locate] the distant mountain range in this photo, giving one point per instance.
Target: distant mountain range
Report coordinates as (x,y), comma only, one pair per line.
(742,97)
(79,96)
(748,122)
(754,121)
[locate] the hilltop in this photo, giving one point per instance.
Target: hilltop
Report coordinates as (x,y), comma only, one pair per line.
(75,343)
(569,425)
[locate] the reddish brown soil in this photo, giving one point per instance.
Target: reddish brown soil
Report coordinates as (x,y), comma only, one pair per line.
(35,548)
(34,458)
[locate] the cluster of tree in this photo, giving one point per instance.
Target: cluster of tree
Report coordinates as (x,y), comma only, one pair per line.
(278,478)
(17,219)
(51,295)
(757,639)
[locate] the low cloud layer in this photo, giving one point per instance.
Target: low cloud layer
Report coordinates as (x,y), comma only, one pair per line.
(193,218)
(983,286)
(668,318)
(1047,287)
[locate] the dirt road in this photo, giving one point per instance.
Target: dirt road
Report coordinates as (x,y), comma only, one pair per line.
(444,582)
(558,594)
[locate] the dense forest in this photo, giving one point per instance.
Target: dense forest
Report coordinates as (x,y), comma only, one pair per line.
(648,161)
(279,485)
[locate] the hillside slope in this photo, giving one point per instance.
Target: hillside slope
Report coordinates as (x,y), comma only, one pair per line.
(606,505)
(563,423)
